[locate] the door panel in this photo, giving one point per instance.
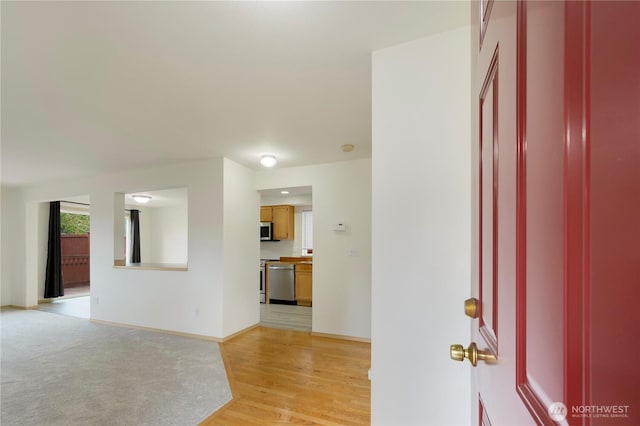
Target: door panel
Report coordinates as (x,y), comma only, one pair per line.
(542,195)
(484,14)
(483,416)
(488,183)
(556,196)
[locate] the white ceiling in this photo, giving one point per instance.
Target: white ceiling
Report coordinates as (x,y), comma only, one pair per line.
(160,198)
(292,191)
(97,87)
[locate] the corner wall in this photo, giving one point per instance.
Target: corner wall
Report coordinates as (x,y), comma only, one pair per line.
(12,219)
(341,192)
(187,302)
(241,220)
(421,230)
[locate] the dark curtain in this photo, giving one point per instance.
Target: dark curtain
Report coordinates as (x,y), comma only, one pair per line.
(53,284)
(135,236)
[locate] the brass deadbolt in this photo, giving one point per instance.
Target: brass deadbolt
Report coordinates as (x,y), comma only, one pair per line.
(472,307)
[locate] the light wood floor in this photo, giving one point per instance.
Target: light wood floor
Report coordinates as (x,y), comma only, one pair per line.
(282,376)
(289,317)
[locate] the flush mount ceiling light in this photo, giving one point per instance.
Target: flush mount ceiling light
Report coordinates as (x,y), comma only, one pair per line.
(284,192)
(142,199)
(347,147)
(268,160)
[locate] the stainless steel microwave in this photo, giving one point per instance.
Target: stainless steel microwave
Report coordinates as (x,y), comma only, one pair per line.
(266,231)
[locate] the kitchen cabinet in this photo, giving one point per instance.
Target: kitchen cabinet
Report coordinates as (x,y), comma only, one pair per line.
(266,214)
(282,219)
(304,287)
(283,222)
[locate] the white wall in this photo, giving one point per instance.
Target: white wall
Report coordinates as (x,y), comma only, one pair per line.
(277,249)
(4,294)
(421,230)
(11,218)
(168,228)
(341,260)
(241,250)
(42,246)
(294,200)
(189,302)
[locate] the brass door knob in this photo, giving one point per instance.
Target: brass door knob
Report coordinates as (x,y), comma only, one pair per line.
(459,353)
(472,307)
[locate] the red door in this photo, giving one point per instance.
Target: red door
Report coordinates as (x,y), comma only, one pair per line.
(556,169)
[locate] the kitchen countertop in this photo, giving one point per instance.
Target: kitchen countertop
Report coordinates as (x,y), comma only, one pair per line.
(291,260)
(296,259)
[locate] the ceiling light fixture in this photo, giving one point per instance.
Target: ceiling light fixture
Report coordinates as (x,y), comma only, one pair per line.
(268,160)
(284,192)
(142,199)
(347,147)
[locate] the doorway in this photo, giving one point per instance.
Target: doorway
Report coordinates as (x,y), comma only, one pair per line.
(75,241)
(75,238)
(294,252)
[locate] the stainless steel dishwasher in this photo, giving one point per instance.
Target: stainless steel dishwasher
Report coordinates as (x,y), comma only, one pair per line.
(282,288)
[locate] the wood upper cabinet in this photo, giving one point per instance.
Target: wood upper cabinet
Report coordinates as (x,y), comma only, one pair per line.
(282,219)
(266,214)
(283,222)
(304,288)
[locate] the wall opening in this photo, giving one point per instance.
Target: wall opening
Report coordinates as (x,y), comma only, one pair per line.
(163,227)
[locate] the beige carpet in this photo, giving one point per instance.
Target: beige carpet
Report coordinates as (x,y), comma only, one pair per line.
(76,307)
(61,370)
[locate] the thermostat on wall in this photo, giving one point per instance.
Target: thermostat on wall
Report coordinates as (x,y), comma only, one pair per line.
(340,227)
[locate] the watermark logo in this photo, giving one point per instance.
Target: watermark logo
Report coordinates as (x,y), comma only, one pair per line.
(557,411)
(600,411)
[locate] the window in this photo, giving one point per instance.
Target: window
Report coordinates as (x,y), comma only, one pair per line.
(307,232)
